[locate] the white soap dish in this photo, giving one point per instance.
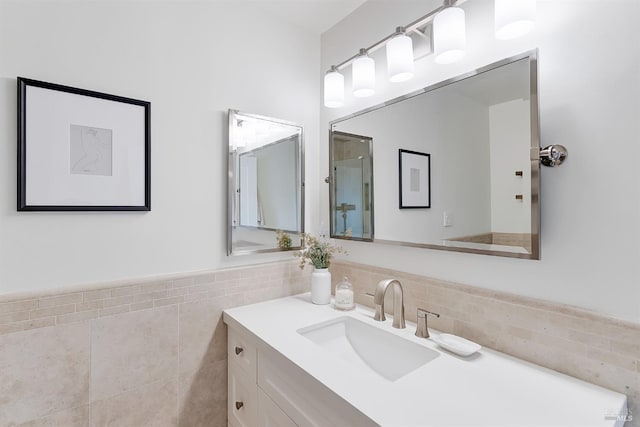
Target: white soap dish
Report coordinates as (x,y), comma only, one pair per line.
(456,344)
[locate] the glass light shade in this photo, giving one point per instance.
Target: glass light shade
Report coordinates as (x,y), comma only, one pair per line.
(333,89)
(363,76)
(449,35)
(514,18)
(400,58)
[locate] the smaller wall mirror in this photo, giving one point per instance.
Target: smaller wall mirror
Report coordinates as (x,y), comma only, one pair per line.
(266,184)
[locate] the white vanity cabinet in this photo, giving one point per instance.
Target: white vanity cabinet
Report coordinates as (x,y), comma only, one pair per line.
(281,375)
(242,391)
(248,405)
(267,390)
(270,414)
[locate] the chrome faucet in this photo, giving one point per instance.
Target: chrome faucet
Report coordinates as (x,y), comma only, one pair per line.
(398,302)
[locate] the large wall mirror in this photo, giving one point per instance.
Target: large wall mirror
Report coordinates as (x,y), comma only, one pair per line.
(266,183)
(455,165)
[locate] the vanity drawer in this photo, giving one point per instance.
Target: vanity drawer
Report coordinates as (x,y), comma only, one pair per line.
(242,354)
(242,400)
(303,399)
(270,414)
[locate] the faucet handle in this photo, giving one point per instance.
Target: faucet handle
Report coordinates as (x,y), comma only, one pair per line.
(379,316)
(423,313)
(421,329)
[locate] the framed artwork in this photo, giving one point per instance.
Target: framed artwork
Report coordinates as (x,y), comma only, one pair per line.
(415,179)
(80,150)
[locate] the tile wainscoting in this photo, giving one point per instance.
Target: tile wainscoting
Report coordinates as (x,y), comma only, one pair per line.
(135,353)
(585,345)
(153,352)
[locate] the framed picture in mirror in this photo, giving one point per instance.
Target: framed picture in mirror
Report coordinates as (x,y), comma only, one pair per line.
(415,179)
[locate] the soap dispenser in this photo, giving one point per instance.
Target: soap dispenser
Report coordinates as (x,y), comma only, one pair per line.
(344,295)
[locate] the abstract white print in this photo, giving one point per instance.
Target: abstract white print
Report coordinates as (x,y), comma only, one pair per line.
(90,151)
(415,179)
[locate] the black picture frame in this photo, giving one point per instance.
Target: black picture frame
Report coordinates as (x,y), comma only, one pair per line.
(111,142)
(416,171)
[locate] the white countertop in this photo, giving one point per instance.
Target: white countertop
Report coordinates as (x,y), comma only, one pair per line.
(488,388)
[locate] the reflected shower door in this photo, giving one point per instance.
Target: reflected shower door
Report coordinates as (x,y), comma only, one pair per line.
(351,210)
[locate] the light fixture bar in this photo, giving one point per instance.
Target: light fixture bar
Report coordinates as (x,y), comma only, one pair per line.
(409,28)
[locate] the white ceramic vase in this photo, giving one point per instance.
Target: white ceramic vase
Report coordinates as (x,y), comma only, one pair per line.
(321,286)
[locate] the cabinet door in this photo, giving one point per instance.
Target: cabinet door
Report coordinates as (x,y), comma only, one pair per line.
(270,414)
(242,398)
(242,352)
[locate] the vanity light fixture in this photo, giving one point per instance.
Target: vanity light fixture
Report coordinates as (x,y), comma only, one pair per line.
(449,35)
(363,75)
(400,56)
(333,88)
(513,18)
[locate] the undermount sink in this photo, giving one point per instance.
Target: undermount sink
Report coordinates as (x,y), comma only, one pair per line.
(382,352)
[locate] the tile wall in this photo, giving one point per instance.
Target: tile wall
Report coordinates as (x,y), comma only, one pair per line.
(508,239)
(144,353)
(153,352)
(576,342)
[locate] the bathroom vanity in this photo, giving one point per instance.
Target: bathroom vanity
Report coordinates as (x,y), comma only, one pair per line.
(295,363)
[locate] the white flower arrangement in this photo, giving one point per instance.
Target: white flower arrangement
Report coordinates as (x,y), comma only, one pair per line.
(315,252)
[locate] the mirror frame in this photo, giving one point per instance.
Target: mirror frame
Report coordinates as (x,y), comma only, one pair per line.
(231,171)
(534,155)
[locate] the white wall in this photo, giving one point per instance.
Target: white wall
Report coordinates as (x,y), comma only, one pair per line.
(192,61)
(589,76)
(510,126)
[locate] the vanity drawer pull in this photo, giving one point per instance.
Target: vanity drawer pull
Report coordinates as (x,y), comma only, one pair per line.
(239,405)
(239,350)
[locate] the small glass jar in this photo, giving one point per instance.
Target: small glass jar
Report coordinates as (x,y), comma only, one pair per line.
(344,295)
